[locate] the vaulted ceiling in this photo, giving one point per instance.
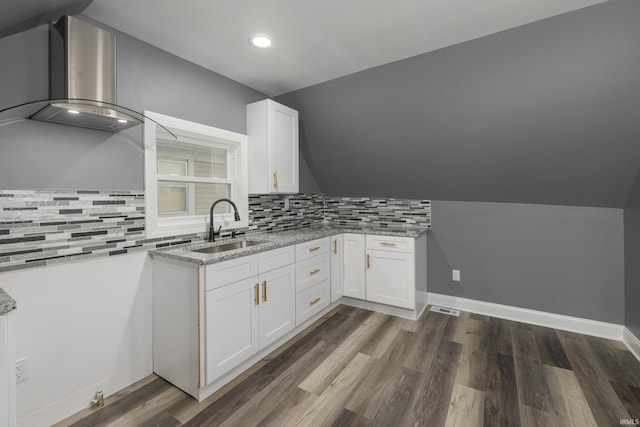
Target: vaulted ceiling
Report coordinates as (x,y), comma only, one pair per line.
(313,41)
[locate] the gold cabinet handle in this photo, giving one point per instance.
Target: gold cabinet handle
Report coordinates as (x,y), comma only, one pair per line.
(315,300)
(312,272)
(368,261)
(335,246)
(275,179)
(256,290)
(387,244)
(264,291)
(315,248)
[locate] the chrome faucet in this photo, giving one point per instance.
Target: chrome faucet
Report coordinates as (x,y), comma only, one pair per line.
(212,231)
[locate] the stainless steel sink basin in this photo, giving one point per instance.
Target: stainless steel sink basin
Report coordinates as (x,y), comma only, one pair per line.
(228,247)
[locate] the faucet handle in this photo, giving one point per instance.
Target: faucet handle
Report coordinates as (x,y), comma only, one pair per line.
(217,233)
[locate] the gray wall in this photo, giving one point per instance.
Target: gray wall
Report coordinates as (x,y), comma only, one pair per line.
(558,259)
(543,113)
(34,155)
(632,259)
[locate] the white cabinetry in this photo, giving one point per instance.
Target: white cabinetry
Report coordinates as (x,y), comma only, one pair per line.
(7,372)
(337,260)
(277,304)
(272,131)
(245,316)
(232,326)
(208,320)
(353,275)
(390,274)
(384,273)
(313,272)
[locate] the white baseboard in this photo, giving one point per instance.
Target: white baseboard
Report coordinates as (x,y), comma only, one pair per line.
(632,342)
(540,318)
(80,399)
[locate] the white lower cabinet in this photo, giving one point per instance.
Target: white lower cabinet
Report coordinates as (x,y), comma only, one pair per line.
(390,278)
(208,320)
(313,274)
(246,316)
(337,260)
(277,304)
(391,274)
(7,372)
(353,278)
(232,326)
(380,269)
(311,301)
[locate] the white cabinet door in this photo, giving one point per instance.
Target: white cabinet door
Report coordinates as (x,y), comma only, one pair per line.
(7,372)
(353,265)
(283,155)
(277,304)
(272,131)
(231,327)
(391,278)
(337,288)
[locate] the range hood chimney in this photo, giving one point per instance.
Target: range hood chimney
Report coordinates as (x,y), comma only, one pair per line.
(82,78)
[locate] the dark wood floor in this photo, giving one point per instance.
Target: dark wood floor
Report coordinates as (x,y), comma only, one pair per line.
(358,368)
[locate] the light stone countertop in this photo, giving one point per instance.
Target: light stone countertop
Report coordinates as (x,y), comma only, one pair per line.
(7,303)
(272,240)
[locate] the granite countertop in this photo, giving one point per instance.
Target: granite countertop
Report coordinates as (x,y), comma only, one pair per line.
(7,303)
(272,240)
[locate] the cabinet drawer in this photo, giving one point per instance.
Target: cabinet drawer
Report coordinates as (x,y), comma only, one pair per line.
(312,271)
(226,272)
(310,249)
(391,243)
(276,258)
(311,301)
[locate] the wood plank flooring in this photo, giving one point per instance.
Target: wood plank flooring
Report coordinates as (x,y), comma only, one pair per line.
(358,368)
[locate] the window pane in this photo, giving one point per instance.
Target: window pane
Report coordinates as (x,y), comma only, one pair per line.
(172,199)
(206,194)
(199,160)
(172,167)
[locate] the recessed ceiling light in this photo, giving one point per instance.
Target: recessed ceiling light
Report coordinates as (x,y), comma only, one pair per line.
(260,40)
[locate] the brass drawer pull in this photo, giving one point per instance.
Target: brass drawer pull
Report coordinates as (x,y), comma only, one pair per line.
(388,244)
(312,272)
(275,179)
(264,291)
(368,261)
(315,248)
(256,289)
(335,246)
(315,300)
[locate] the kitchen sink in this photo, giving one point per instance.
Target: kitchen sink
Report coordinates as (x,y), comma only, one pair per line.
(228,246)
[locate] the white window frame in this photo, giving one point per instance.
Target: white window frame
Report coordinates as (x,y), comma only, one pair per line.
(209,136)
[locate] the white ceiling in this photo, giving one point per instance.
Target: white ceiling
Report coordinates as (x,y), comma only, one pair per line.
(314,41)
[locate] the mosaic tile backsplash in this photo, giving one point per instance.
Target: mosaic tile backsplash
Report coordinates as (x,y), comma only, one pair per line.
(45,227)
(377,212)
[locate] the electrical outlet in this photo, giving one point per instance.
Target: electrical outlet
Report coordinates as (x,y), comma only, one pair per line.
(22,373)
(455,275)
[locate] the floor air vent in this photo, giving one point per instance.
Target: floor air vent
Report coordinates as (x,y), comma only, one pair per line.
(444,310)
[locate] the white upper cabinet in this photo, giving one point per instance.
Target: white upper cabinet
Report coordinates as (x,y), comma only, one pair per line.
(272,131)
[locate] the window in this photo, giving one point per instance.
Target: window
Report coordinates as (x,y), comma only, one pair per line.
(187,171)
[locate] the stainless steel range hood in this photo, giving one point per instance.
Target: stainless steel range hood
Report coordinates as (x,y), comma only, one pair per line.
(82,78)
